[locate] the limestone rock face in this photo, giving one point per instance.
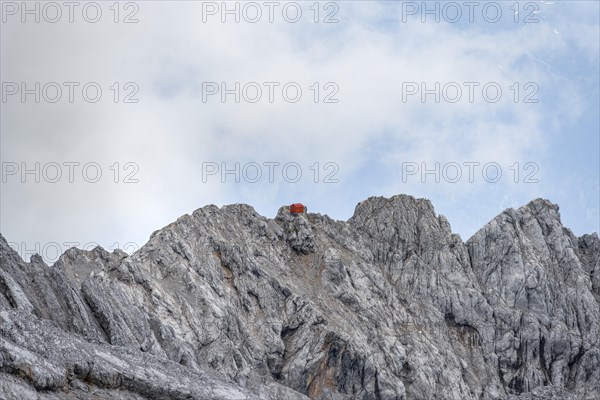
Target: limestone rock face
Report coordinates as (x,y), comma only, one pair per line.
(539,279)
(227,304)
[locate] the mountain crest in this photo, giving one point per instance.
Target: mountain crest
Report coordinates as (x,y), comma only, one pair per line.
(389,305)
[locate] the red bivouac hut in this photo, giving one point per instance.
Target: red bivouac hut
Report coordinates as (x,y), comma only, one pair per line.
(297,208)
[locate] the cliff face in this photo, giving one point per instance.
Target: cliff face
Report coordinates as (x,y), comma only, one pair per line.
(227,304)
(539,279)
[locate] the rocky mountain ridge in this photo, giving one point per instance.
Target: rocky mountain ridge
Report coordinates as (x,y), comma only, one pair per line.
(227,304)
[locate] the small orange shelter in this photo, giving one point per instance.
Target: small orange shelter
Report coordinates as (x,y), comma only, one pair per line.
(298,208)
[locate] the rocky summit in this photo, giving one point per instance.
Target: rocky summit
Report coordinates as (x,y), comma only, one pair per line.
(227,304)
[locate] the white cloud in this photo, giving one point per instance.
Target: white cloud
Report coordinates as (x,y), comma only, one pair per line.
(171,131)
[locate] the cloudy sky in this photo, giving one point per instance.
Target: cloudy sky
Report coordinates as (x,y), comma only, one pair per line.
(115,121)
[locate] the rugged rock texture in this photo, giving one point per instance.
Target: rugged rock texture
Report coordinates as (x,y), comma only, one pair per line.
(538,277)
(390,305)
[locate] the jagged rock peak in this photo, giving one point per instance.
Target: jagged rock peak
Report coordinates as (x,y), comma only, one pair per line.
(401,202)
(225,303)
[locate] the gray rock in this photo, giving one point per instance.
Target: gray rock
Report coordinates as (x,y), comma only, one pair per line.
(545,312)
(390,305)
